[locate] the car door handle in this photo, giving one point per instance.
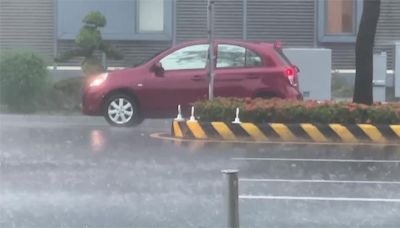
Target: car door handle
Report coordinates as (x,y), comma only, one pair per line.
(196,78)
(252,76)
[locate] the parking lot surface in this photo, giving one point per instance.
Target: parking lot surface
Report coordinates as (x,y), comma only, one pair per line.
(75,171)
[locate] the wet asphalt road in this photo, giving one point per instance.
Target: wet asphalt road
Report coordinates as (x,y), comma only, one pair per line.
(75,171)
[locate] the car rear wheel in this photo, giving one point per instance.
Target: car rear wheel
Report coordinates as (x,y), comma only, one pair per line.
(122,111)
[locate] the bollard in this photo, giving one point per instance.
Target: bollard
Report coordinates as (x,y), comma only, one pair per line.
(231,193)
(237,120)
(192,118)
(179,116)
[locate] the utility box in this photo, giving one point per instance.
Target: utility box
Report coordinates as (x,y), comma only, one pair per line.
(396,69)
(379,77)
(315,75)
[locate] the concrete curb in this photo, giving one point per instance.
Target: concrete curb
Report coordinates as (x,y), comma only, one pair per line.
(306,132)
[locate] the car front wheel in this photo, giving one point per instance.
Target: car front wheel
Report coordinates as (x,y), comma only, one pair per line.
(122,111)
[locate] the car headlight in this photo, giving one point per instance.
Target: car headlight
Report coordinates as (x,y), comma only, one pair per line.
(98,80)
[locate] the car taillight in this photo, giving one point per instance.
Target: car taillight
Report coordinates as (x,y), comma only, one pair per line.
(290,74)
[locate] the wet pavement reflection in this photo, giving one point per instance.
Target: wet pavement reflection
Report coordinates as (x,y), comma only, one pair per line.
(76,171)
(97,140)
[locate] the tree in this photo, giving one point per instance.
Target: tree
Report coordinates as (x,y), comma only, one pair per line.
(88,41)
(364,52)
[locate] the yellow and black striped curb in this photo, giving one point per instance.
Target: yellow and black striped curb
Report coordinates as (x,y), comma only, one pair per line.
(322,133)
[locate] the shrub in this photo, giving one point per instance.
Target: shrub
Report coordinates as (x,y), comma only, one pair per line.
(23,77)
(63,96)
(88,42)
(289,111)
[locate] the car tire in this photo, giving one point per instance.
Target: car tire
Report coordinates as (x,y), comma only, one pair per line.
(121,110)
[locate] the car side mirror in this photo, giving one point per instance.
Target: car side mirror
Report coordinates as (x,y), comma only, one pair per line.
(158,69)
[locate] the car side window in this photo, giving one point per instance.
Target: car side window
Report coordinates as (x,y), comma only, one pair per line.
(230,56)
(191,57)
(252,59)
(236,56)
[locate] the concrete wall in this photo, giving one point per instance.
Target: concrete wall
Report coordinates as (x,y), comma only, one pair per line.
(27,24)
(31,24)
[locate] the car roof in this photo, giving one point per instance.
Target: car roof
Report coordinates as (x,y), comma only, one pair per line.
(254,45)
(229,41)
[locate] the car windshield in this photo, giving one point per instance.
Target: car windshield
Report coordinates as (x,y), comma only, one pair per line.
(145,60)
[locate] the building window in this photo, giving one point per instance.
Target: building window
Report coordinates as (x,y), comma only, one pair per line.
(151,15)
(340,17)
(338,20)
(126,19)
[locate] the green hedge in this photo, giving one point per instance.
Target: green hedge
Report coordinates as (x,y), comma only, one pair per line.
(290,111)
(62,96)
(23,78)
(25,86)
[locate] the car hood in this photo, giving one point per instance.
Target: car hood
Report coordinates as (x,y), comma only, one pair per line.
(123,77)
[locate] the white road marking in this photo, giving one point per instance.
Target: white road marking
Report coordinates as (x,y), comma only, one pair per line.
(262,197)
(318,181)
(315,160)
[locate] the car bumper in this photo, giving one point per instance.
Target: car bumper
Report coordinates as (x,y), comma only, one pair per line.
(92,102)
(293,93)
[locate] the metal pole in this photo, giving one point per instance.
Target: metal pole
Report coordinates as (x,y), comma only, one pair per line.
(55,33)
(231,197)
(244,28)
(315,42)
(174,15)
(211,56)
(396,69)
(104,60)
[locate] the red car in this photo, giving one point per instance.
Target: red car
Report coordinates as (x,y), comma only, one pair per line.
(179,76)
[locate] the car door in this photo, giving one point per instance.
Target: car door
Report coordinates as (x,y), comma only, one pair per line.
(237,71)
(183,80)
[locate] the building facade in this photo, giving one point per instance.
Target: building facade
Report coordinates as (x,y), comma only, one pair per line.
(143,28)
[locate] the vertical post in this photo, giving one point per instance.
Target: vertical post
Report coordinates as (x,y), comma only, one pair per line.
(244,20)
(211,56)
(174,16)
(231,195)
(396,69)
(104,60)
(55,32)
(315,42)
